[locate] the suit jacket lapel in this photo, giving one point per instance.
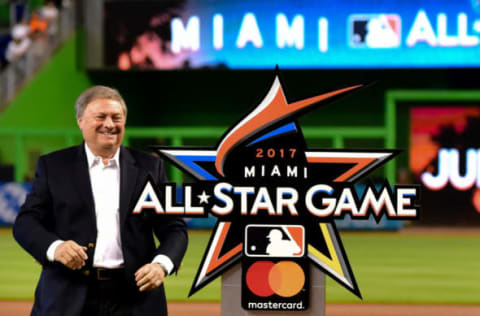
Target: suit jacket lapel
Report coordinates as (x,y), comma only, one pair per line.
(82,181)
(128,180)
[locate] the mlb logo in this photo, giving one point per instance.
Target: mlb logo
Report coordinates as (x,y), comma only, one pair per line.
(375,31)
(287,241)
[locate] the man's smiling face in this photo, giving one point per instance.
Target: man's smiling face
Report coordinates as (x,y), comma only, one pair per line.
(103,126)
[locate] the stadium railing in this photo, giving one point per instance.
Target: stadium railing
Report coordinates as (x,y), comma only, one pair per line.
(176,136)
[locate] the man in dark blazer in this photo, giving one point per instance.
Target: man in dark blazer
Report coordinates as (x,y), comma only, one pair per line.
(97,257)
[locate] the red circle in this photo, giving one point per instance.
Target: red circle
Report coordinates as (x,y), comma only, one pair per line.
(257,278)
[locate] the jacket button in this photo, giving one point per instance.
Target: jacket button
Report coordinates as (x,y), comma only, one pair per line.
(86,272)
(91,245)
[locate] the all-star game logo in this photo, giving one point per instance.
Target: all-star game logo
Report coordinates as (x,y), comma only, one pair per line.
(276,201)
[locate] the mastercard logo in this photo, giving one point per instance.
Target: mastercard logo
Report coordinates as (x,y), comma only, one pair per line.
(284,278)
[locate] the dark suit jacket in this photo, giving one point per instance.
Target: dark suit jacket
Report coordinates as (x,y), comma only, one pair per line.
(61,206)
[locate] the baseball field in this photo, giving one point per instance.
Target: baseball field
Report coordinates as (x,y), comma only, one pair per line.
(427,271)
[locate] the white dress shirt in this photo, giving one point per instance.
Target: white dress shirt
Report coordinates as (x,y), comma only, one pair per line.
(105,182)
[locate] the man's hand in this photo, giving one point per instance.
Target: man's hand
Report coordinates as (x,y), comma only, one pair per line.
(149,277)
(71,254)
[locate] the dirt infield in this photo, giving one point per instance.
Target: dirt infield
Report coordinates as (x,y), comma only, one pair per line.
(213,309)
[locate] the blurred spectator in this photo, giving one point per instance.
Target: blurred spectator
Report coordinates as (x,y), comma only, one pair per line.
(21,28)
(16,55)
(19,44)
(38,26)
(50,14)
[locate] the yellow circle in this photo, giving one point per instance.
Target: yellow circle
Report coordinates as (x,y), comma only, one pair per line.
(286,278)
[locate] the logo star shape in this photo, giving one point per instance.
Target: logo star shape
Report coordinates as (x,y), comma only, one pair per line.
(271,120)
(203,197)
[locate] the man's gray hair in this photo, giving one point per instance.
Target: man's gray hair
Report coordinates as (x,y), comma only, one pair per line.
(97,92)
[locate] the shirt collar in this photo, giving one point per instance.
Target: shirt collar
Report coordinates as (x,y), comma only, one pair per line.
(92,159)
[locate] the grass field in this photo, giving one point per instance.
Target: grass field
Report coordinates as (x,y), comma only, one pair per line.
(389,267)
